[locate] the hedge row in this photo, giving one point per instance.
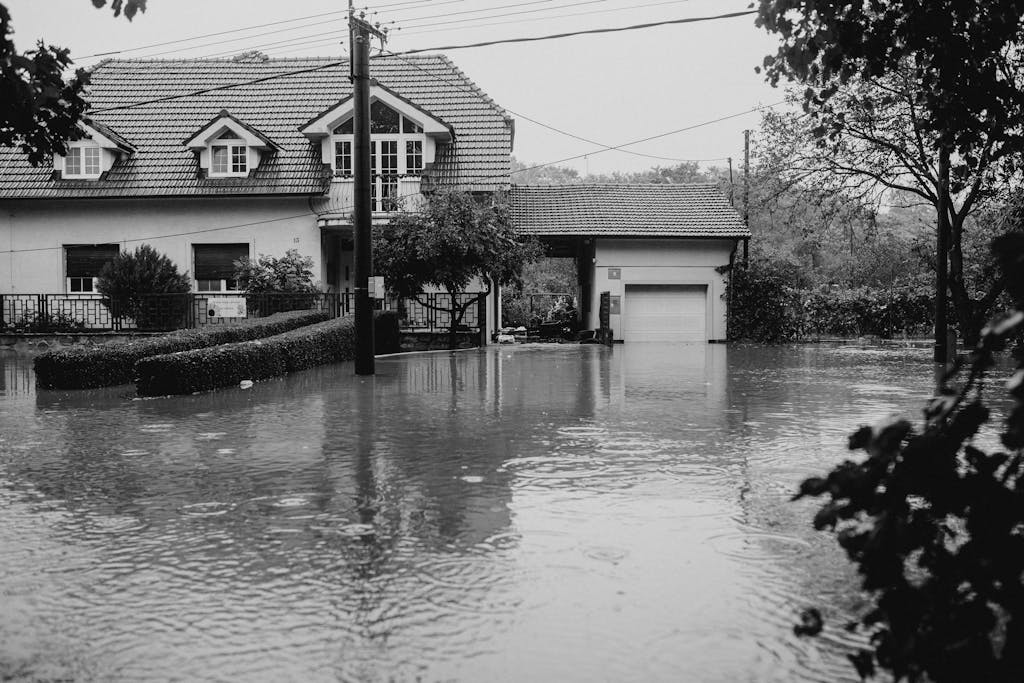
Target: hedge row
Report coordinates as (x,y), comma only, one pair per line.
(226,365)
(113,364)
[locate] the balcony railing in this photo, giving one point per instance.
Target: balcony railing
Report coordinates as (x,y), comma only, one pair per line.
(390,192)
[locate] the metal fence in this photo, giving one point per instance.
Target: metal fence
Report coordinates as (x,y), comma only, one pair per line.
(432,312)
(162,312)
(156,312)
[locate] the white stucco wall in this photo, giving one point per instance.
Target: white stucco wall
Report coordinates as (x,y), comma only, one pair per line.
(33,233)
(662,262)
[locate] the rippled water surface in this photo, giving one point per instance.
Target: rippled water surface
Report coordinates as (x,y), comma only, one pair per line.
(514,514)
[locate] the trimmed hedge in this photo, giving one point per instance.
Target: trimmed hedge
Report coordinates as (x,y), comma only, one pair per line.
(113,364)
(226,365)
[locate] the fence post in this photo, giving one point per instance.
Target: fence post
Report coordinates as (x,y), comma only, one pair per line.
(42,309)
(3,312)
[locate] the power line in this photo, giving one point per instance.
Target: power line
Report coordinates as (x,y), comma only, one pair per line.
(298,41)
(218,33)
(535,121)
(477,11)
(256,26)
(510,14)
(235,40)
(615,29)
(547,18)
(289,42)
(176,234)
(229,86)
(569,34)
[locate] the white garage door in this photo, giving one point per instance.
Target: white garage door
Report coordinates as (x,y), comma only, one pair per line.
(664,313)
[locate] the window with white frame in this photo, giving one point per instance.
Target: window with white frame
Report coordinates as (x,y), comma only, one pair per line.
(83,162)
(229,156)
(83,263)
(396,148)
(214,266)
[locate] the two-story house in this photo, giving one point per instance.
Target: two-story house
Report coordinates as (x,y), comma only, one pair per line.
(211,160)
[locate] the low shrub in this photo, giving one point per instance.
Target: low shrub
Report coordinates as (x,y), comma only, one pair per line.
(387,337)
(45,323)
(112,364)
(226,365)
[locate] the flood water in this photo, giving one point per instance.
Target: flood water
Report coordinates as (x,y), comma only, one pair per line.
(554,513)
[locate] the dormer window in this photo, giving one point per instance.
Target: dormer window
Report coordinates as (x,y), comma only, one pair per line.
(229,148)
(229,156)
(83,162)
(404,137)
(89,157)
(396,147)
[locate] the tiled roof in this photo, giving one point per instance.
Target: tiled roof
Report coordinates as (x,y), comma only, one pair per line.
(163,167)
(628,210)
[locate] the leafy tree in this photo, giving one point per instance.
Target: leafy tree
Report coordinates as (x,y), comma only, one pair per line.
(527,173)
(130,280)
(39,110)
(287,279)
(292,272)
(935,523)
(954,64)
(869,141)
(454,240)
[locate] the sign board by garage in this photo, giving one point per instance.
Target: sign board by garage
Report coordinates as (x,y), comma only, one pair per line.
(227,307)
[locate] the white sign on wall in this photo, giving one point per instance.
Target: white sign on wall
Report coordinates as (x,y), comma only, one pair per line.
(227,307)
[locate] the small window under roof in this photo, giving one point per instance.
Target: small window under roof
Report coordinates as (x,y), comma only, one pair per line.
(383,119)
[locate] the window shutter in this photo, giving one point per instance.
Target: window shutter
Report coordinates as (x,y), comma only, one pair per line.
(217,261)
(88,260)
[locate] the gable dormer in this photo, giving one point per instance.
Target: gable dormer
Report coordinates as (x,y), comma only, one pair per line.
(93,154)
(404,136)
(227,147)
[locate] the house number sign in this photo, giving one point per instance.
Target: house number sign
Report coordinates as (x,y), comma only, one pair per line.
(614,273)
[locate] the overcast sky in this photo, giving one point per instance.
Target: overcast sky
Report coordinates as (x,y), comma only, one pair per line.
(609,88)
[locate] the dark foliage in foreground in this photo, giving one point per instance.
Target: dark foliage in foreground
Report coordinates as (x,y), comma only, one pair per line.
(935,524)
(112,364)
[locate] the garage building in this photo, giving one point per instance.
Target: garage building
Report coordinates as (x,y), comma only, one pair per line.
(659,252)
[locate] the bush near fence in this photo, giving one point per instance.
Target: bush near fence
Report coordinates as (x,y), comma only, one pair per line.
(227,365)
(113,364)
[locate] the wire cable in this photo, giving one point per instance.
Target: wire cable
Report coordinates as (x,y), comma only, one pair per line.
(535,121)
(212,35)
(546,18)
(569,34)
(256,26)
(510,14)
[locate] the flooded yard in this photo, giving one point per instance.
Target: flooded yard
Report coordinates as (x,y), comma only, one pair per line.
(524,513)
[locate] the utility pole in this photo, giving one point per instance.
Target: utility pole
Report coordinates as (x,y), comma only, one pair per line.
(746,192)
(360,33)
(746,177)
(732,189)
